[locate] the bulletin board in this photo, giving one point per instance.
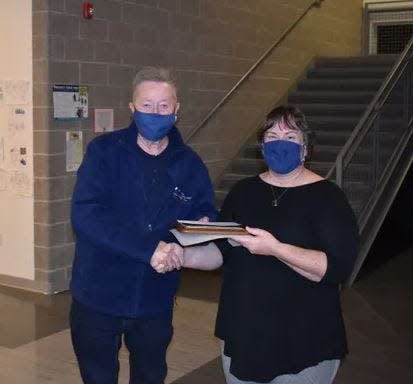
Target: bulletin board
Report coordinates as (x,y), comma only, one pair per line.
(16,141)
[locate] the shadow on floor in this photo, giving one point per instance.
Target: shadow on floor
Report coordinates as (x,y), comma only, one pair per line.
(200,285)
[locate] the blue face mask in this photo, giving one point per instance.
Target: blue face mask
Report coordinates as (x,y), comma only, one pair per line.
(153,126)
(282,156)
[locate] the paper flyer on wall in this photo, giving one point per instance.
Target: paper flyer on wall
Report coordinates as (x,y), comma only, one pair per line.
(74,150)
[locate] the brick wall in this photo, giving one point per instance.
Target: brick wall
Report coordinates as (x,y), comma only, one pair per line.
(210,43)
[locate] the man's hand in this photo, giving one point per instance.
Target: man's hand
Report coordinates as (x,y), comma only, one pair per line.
(167,257)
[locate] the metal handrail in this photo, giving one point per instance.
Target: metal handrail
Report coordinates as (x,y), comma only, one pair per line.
(382,193)
(316,3)
(374,107)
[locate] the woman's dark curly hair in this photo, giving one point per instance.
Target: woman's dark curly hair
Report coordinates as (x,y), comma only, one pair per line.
(291,117)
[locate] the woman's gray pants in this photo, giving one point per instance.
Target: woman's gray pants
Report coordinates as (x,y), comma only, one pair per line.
(322,373)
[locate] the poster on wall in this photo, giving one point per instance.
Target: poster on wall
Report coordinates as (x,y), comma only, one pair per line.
(70,102)
(74,150)
(16,172)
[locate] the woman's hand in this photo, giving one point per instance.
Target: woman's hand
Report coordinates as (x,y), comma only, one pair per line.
(259,242)
(309,263)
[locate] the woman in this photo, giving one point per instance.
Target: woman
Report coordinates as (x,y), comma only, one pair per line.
(279,315)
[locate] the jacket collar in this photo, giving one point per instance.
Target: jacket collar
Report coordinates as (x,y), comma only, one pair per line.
(175,138)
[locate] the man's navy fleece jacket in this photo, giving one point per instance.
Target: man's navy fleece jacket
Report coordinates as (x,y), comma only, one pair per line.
(116,233)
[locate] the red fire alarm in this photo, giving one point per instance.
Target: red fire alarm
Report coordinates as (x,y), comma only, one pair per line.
(88,10)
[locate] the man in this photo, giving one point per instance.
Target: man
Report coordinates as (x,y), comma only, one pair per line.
(132,186)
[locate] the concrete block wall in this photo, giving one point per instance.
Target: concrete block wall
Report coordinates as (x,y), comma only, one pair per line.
(210,44)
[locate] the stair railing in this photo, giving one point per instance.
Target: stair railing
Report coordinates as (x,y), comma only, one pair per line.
(378,143)
(316,3)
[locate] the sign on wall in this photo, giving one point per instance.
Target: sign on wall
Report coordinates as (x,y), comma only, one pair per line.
(70,102)
(74,150)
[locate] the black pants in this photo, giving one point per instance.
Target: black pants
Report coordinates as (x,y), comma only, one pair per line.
(97,338)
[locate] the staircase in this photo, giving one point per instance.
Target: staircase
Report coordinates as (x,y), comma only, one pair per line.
(333,97)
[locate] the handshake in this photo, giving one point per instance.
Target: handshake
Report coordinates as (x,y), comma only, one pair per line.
(167,257)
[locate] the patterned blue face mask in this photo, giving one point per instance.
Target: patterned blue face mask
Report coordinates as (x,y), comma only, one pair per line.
(153,126)
(282,156)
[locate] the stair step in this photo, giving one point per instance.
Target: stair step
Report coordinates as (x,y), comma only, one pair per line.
(302,97)
(329,153)
(332,124)
(358,171)
(336,137)
(349,73)
(344,111)
(386,137)
(363,155)
(328,109)
(371,60)
(386,123)
(339,84)
(325,153)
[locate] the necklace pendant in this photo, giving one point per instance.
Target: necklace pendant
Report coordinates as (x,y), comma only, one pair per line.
(274,203)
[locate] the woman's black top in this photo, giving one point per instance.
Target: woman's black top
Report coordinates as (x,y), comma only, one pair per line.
(273,320)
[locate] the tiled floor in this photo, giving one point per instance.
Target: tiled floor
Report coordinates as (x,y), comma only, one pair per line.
(35,342)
